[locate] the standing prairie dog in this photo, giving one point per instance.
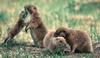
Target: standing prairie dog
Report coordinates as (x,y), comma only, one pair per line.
(17,27)
(79,41)
(54,43)
(36,26)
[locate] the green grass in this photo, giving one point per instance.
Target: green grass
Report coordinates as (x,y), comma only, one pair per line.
(54,13)
(20,51)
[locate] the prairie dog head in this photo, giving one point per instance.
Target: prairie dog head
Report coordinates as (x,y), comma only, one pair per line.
(30,8)
(63,32)
(23,14)
(35,19)
(58,41)
(57,44)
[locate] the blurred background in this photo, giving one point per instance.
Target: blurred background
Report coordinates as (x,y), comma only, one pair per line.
(75,14)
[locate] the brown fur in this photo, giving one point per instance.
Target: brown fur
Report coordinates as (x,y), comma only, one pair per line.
(17,27)
(36,26)
(79,41)
(54,43)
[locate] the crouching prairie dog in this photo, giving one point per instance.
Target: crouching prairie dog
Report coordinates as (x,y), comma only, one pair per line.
(54,44)
(36,26)
(79,41)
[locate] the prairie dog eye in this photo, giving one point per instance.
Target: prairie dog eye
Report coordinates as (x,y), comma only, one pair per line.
(60,41)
